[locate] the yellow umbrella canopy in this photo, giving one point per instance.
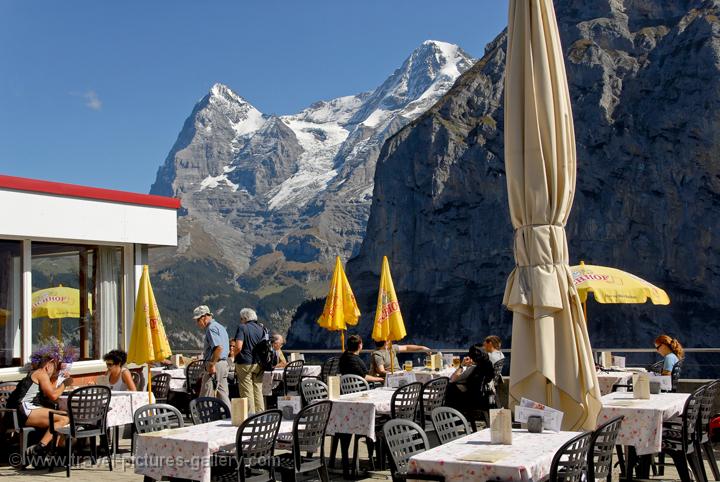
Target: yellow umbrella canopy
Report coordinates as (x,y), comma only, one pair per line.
(553,361)
(57,302)
(148,341)
(389,324)
(611,285)
(341,309)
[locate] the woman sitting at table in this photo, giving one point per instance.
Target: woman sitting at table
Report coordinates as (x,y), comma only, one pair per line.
(671,350)
(471,385)
(119,378)
(38,387)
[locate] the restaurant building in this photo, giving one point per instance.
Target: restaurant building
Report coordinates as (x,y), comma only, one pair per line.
(70,260)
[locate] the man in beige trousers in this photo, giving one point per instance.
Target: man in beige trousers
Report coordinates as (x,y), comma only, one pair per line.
(247,370)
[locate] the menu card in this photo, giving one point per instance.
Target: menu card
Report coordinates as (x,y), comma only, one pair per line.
(238,410)
(500,426)
(333,387)
(552,418)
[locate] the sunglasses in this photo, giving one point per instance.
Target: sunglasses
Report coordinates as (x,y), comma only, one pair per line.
(109,364)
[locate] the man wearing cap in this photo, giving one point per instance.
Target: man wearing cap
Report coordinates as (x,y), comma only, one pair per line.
(215,352)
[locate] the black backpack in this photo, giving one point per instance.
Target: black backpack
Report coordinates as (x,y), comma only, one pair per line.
(262,352)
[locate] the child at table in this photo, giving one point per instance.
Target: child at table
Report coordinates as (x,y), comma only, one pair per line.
(119,378)
(671,350)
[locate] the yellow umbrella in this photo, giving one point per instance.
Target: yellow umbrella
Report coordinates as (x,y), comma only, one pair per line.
(610,285)
(148,341)
(55,303)
(553,361)
(389,325)
(340,306)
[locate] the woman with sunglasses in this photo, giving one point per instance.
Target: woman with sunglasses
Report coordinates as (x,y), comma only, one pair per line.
(671,350)
(119,377)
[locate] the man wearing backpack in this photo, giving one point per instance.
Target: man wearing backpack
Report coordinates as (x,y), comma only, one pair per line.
(249,340)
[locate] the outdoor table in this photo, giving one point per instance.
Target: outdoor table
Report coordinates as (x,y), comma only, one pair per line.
(186,452)
(609,378)
(422,375)
(122,406)
(177,377)
(269,378)
(528,458)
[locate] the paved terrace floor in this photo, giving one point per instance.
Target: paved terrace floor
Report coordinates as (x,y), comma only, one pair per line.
(123,471)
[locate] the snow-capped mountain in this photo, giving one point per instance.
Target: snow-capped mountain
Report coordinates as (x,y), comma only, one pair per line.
(274,198)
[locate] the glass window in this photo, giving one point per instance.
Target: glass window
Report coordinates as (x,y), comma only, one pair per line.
(74,287)
(10,303)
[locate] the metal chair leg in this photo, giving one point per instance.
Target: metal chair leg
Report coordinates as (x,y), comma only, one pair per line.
(712,461)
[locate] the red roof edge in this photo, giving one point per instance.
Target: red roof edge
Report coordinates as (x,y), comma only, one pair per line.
(85,192)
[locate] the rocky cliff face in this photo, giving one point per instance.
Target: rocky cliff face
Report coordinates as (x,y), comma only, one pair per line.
(644,79)
(269,201)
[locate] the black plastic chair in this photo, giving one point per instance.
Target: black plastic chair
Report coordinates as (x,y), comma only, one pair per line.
(160,386)
(154,417)
(312,389)
(208,409)
(571,460)
(680,438)
(432,396)
(137,379)
(308,436)
(330,368)
(703,440)
(405,439)
(403,406)
(353,384)
(292,376)
(193,375)
(87,408)
(600,454)
(11,426)
(675,375)
(255,443)
(449,424)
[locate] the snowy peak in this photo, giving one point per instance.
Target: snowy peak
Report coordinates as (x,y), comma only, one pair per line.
(241,115)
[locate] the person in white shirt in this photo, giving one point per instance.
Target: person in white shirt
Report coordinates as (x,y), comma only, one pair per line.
(492,346)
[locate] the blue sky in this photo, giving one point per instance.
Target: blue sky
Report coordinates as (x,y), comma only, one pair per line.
(95,93)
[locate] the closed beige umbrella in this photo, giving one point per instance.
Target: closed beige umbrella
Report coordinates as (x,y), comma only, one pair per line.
(552,359)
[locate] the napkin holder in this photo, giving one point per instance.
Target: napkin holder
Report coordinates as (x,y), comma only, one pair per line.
(618,361)
(641,386)
(436,361)
(238,410)
(178,361)
(296,356)
(333,387)
(606,359)
(500,426)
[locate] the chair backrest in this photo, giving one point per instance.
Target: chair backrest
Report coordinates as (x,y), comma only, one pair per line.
(353,384)
(88,406)
(208,409)
(449,424)
(160,386)
(404,439)
(193,373)
(313,389)
(309,430)
(6,388)
(256,437)
(675,375)
(706,409)
(404,401)
(570,461)
(602,445)
(432,396)
(330,368)
(293,374)
(157,416)
(137,379)
(690,416)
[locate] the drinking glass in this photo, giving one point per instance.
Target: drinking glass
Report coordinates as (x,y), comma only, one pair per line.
(456,362)
(428,362)
(408,366)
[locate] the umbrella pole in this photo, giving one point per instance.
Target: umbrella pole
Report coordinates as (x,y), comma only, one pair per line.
(342,340)
(392,359)
(149,384)
(585,310)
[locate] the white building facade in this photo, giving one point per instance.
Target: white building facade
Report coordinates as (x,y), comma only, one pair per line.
(70,260)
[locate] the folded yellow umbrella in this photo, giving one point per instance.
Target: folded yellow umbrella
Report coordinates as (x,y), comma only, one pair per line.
(341,309)
(389,324)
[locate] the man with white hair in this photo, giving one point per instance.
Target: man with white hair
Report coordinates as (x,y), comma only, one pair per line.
(247,370)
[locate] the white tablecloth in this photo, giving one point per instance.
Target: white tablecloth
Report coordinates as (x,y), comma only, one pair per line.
(422,375)
(185,452)
(608,379)
(122,406)
(277,375)
(642,426)
(528,458)
(177,380)
(354,413)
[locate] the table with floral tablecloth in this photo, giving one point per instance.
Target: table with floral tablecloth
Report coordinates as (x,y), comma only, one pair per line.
(609,378)
(423,375)
(528,458)
(185,452)
(354,413)
(642,426)
(269,378)
(177,377)
(122,406)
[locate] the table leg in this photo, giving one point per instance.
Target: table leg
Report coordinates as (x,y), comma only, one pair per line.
(345,439)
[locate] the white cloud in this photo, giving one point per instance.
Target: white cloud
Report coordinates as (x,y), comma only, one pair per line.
(92,99)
